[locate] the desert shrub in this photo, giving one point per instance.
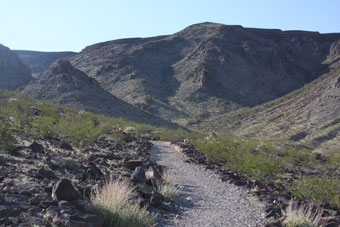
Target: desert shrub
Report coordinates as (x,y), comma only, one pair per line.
(303,216)
(318,189)
(112,202)
(7,140)
(69,164)
(168,189)
(239,157)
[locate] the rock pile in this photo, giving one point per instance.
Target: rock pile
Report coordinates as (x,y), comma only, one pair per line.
(48,182)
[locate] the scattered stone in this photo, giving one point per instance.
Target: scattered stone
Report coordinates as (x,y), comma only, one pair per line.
(64,190)
(90,219)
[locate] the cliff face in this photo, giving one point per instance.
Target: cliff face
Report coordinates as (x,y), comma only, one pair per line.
(207,69)
(13,73)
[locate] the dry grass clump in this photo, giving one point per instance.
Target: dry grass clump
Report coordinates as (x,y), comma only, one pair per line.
(112,202)
(168,189)
(303,216)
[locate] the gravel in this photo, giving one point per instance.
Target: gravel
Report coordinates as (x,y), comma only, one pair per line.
(205,201)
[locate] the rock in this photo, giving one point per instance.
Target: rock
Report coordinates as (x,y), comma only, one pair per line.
(169,207)
(275,223)
(66,146)
(138,175)
(92,172)
(156,199)
(52,211)
(36,147)
(89,219)
(34,201)
(133,164)
(10,211)
(64,190)
(44,173)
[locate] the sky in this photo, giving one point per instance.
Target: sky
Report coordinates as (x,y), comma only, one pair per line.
(71,25)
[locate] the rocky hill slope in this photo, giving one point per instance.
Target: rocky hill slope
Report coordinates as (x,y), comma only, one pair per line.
(63,84)
(309,115)
(38,61)
(206,69)
(13,73)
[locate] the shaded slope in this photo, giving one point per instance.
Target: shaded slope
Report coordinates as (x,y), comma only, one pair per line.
(13,73)
(206,69)
(63,84)
(309,115)
(38,61)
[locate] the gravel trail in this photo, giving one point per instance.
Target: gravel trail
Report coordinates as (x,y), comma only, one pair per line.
(205,201)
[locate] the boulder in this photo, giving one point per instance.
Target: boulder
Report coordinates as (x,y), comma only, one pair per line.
(66,146)
(36,147)
(133,164)
(138,175)
(156,199)
(64,190)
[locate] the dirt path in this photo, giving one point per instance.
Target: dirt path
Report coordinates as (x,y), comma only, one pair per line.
(205,201)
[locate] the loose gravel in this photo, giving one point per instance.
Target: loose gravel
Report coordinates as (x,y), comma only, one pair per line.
(205,201)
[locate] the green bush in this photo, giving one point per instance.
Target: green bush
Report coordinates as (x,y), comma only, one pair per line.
(319,189)
(7,140)
(69,164)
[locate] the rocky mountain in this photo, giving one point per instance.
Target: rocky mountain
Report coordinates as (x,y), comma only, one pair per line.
(207,69)
(63,84)
(38,61)
(13,73)
(309,115)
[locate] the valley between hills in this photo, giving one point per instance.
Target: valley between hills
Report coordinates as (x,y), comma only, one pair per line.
(257,109)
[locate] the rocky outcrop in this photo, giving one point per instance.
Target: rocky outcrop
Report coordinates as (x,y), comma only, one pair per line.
(52,194)
(13,73)
(207,68)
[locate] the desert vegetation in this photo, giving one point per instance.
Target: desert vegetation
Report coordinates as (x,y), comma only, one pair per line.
(113,202)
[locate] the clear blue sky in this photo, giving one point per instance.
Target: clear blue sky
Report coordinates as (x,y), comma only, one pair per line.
(58,25)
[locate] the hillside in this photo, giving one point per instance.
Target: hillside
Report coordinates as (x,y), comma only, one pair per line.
(63,84)
(13,73)
(206,69)
(309,115)
(38,61)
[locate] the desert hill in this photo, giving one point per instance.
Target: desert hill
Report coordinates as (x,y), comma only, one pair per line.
(38,61)
(206,69)
(63,84)
(13,73)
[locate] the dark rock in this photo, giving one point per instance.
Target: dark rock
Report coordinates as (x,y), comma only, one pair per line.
(36,147)
(90,219)
(276,223)
(10,211)
(44,173)
(66,146)
(133,164)
(138,175)
(156,199)
(92,172)
(34,201)
(64,190)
